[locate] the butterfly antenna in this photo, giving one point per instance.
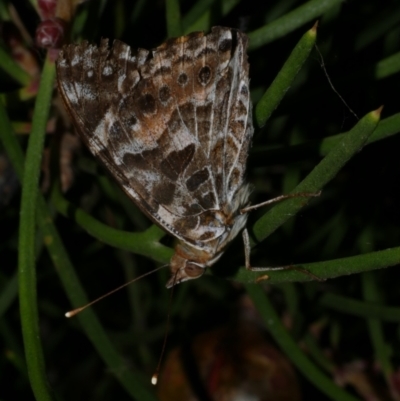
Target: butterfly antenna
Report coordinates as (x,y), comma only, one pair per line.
(78,310)
(154,378)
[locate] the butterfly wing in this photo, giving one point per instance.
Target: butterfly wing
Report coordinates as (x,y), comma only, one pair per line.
(171,125)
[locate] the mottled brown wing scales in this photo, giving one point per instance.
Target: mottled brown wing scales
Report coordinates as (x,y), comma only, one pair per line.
(233,141)
(183,86)
(176,142)
(221,93)
(173,71)
(102,115)
(171,124)
(240,129)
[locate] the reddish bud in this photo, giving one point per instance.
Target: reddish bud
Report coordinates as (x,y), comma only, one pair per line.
(50,33)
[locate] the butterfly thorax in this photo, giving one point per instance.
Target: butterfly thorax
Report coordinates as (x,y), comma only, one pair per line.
(190,260)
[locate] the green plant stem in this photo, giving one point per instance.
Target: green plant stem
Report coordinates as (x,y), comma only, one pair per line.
(13,69)
(145,243)
(133,383)
(327,269)
(173,15)
(320,176)
(388,66)
(274,94)
(289,22)
(26,257)
(195,13)
(74,289)
(361,309)
(266,156)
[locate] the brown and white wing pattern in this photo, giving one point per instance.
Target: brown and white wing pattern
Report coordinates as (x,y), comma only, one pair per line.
(172,125)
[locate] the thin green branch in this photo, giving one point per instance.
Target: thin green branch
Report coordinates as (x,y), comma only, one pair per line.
(309,11)
(262,155)
(358,308)
(274,94)
(133,383)
(173,15)
(229,5)
(74,289)
(195,13)
(145,243)
(327,269)
(13,69)
(386,128)
(319,177)
(388,66)
(26,256)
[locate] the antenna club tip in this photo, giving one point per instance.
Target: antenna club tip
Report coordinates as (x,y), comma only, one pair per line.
(74,312)
(154,379)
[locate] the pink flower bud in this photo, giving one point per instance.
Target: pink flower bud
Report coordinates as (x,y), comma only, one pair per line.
(50,33)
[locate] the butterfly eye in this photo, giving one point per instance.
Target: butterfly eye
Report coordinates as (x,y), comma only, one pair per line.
(193,270)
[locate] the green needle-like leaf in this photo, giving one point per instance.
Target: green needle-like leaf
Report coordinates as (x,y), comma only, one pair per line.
(26,261)
(274,94)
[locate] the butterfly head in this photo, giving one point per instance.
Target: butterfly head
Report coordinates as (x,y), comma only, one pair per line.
(189,263)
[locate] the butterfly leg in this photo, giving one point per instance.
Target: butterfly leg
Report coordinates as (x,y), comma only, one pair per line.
(278,199)
(247,250)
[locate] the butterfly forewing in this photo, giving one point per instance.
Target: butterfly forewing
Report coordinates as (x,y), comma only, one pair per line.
(172,125)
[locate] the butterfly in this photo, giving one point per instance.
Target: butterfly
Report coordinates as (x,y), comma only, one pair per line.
(173,126)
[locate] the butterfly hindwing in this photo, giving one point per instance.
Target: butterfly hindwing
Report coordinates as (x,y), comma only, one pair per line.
(172,125)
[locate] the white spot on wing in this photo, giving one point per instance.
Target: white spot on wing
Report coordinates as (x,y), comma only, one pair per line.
(75,60)
(121,79)
(107,70)
(100,131)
